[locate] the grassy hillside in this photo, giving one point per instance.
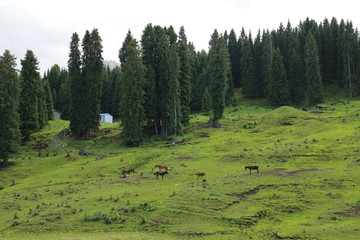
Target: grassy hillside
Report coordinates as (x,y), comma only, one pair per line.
(307,188)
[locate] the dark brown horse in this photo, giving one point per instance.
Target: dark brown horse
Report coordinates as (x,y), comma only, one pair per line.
(200,174)
(252,168)
(161,174)
(161,167)
(127,171)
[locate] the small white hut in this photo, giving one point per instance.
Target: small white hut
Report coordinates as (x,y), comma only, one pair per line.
(106,117)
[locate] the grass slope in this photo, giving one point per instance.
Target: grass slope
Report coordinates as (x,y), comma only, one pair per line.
(307,188)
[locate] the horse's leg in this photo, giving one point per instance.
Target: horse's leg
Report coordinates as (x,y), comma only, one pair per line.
(257,170)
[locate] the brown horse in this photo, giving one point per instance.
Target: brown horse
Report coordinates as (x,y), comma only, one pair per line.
(161,167)
(200,174)
(252,168)
(127,171)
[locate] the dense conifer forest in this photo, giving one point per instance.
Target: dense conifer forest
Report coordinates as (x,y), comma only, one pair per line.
(161,78)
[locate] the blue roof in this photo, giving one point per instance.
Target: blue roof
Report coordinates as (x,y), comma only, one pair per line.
(108,114)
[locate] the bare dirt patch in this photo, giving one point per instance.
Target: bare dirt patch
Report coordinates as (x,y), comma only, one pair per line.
(352,212)
(290,173)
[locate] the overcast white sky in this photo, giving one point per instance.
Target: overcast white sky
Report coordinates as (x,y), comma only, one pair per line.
(46,26)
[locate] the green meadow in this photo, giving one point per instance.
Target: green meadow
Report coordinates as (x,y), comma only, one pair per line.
(307,187)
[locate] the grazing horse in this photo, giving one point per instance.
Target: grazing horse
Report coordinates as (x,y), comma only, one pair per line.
(252,168)
(127,171)
(161,174)
(161,167)
(200,174)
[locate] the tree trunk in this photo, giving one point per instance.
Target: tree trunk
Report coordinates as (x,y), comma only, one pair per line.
(350,85)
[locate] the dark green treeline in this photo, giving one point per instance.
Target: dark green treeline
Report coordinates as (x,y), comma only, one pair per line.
(308,58)
(25,102)
(288,65)
(9,104)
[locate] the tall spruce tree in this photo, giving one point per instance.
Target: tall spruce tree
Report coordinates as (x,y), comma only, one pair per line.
(92,67)
(349,53)
(29,95)
(258,52)
(184,77)
(132,92)
(219,67)
(115,79)
(55,81)
(200,80)
(9,103)
(123,50)
(48,99)
(42,108)
(278,88)
(312,71)
(297,83)
(77,97)
(247,67)
(65,95)
(86,82)
(150,62)
(174,109)
(267,59)
(235,56)
(206,102)
(106,91)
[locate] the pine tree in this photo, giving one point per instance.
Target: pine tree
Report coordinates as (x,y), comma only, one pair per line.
(259,66)
(206,102)
(184,77)
(247,68)
(29,95)
(156,56)
(65,94)
(77,97)
(201,79)
(132,95)
(48,99)
(312,71)
(115,79)
(349,53)
(92,66)
(171,35)
(219,67)
(42,108)
(150,62)
(267,59)
(278,89)
(161,80)
(230,92)
(174,108)
(85,72)
(9,103)
(235,56)
(297,83)
(55,81)
(122,52)
(107,91)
